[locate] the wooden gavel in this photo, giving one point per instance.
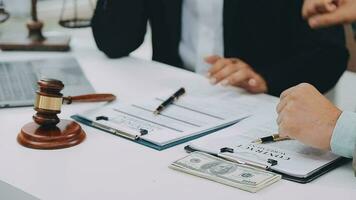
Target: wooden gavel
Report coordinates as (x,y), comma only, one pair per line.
(49,101)
(48,131)
(89,98)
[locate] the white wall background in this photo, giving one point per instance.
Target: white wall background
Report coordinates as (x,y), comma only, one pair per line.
(18,8)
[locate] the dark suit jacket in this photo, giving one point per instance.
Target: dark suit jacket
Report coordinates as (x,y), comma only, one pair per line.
(354,161)
(271,36)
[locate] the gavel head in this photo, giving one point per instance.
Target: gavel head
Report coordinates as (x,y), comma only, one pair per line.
(48,132)
(48,102)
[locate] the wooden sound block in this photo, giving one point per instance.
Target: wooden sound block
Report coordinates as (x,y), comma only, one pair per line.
(65,134)
(23,43)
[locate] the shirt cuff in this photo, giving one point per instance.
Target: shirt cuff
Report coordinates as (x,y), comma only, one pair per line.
(343,139)
(354,162)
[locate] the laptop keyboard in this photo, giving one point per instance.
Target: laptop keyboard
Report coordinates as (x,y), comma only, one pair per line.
(17,81)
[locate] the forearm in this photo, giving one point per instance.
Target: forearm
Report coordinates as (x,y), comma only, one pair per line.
(119,26)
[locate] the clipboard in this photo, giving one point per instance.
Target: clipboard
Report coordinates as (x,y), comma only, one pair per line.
(316,174)
(141,141)
(187,119)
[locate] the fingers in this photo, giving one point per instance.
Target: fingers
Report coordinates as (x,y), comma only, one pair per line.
(293,94)
(256,84)
(287,110)
(212,59)
(285,127)
(219,65)
(239,78)
(328,19)
(288,128)
(314,7)
(224,74)
(224,65)
(238,74)
(282,104)
(247,79)
(285,99)
(309,7)
(322,13)
(283,112)
(223,68)
(282,131)
(234,72)
(329,6)
(287,92)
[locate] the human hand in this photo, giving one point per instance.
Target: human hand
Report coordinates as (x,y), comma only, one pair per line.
(235,72)
(306,115)
(321,13)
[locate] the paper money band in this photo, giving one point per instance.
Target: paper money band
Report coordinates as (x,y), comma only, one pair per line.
(48,103)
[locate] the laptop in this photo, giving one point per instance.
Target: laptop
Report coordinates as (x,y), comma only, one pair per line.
(18,79)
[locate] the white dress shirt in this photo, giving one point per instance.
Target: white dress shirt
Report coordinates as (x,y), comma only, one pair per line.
(202,33)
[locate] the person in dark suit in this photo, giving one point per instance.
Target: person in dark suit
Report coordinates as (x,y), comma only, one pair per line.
(261,46)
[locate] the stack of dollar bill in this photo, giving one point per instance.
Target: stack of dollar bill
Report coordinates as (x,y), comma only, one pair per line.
(225,172)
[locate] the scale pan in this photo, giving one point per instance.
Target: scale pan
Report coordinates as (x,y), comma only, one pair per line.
(3,15)
(75,23)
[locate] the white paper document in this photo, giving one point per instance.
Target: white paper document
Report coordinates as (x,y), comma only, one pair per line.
(194,113)
(294,158)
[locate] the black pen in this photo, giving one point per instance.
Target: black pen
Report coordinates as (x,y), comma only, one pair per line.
(271,138)
(169,101)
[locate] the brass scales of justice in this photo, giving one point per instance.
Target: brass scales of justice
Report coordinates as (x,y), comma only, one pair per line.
(35,40)
(47,131)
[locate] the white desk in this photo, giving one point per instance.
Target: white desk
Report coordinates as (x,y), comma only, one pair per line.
(109,167)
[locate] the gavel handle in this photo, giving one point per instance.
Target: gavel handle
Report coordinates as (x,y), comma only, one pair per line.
(89,98)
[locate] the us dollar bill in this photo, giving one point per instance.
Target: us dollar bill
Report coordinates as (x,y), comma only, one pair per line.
(222,171)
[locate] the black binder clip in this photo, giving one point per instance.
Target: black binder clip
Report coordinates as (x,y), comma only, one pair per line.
(272,162)
(98,118)
(143,132)
(226,149)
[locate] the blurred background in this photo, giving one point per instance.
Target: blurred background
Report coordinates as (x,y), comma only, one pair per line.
(51,11)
